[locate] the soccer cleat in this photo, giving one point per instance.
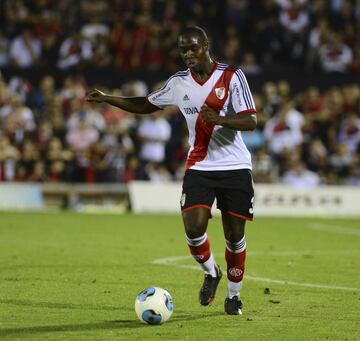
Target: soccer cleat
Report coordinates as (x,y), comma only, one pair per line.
(233,306)
(208,289)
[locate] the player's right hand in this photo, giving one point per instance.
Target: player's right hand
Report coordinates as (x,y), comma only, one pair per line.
(95,95)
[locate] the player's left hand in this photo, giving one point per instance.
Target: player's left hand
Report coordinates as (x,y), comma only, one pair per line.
(209,115)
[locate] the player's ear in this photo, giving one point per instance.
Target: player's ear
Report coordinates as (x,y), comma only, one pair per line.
(205,44)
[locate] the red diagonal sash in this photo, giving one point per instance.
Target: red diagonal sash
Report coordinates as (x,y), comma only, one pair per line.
(216,100)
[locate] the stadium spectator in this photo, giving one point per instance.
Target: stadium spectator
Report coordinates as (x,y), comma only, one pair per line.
(81,138)
(94,28)
(355,67)
(335,55)
(18,119)
(80,110)
(300,177)
(295,21)
(25,50)
(349,133)
(38,173)
(40,98)
(4,46)
(318,36)
(154,131)
(249,64)
(9,155)
(354,174)
(157,173)
(133,170)
(317,156)
(265,170)
(30,154)
(252,36)
(275,30)
(74,51)
(340,161)
(117,146)
(272,99)
(283,132)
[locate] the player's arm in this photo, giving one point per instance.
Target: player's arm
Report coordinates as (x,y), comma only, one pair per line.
(137,105)
(242,103)
(244,121)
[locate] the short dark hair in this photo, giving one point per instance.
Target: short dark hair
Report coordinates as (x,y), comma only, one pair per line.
(195,30)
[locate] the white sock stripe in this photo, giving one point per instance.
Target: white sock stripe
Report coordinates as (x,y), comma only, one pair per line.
(236,251)
(196,241)
(238,247)
(241,241)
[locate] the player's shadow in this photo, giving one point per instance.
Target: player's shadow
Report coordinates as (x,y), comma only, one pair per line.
(53,305)
(106,325)
(178,317)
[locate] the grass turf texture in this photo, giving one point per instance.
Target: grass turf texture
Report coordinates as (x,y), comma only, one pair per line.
(75,277)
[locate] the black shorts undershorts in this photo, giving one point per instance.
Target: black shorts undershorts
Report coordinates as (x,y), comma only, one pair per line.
(233,190)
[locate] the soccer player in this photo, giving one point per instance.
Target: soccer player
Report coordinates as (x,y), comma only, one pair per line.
(217,104)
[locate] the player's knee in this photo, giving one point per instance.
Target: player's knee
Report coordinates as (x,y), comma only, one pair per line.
(195,224)
(195,228)
(194,232)
(234,234)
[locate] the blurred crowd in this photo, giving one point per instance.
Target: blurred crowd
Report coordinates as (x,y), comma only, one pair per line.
(317,35)
(50,133)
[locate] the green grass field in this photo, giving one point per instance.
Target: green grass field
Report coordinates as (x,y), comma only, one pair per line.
(75,277)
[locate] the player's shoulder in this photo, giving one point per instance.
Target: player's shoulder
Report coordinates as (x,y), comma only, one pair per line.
(232,68)
(224,66)
(180,74)
(177,78)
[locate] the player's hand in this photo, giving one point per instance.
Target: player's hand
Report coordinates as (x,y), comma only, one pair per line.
(209,115)
(95,95)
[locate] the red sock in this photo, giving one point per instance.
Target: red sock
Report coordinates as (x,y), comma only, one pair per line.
(235,255)
(235,265)
(199,248)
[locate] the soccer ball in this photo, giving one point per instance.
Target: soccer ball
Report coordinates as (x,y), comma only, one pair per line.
(154,305)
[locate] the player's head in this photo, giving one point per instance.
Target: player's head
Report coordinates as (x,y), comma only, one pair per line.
(193,46)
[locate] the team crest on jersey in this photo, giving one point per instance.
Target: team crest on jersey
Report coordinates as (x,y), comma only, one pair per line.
(220,92)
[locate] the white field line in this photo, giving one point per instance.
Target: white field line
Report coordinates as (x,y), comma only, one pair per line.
(171,261)
(301,253)
(334,229)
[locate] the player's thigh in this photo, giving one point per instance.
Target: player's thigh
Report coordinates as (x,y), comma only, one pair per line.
(197,198)
(235,194)
(196,221)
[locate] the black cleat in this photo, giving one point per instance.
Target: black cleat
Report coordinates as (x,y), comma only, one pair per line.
(233,306)
(208,289)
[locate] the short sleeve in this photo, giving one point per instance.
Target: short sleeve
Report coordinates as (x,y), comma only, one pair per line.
(241,97)
(163,96)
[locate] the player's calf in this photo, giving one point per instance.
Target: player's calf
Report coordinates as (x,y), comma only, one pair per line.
(235,255)
(200,250)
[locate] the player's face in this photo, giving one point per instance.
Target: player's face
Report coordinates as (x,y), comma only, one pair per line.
(192,51)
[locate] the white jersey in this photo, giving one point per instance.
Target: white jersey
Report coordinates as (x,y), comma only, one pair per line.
(212,147)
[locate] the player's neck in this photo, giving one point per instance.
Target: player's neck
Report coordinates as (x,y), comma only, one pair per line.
(205,70)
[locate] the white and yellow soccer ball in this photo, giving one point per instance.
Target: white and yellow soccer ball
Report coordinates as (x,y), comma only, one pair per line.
(154,305)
